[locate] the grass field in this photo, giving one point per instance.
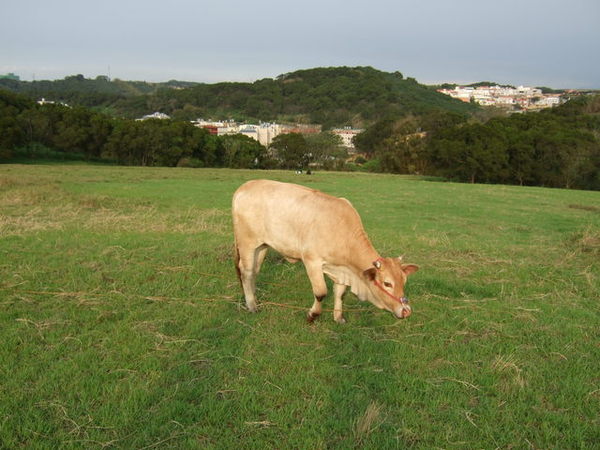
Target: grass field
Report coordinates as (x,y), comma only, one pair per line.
(121,321)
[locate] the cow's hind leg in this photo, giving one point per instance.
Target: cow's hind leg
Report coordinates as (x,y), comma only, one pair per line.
(248,265)
(317,280)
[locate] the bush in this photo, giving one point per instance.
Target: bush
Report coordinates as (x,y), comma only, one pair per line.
(36,150)
(351,167)
(190,162)
(374,165)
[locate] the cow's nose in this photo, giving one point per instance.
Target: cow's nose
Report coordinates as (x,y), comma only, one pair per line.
(403,312)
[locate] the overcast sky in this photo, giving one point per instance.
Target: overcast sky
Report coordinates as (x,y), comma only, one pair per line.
(553,43)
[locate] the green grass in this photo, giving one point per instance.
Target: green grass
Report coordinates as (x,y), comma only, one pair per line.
(122,325)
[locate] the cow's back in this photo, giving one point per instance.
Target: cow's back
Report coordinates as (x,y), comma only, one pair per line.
(294,220)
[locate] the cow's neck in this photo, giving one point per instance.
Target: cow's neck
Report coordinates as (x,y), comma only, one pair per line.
(348,276)
(361,256)
(362,253)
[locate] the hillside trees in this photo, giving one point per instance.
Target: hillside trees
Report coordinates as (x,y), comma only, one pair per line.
(403,154)
(370,140)
(157,142)
(548,148)
(291,150)
(11,134)
(398,144)
(242,152)
(555,148)
(470,153)
(330,96)
(29,130)
(326,150)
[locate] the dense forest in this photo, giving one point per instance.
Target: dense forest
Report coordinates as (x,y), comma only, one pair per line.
(409,129)
(99,93)
(30,131)
(558,147)
(334,96)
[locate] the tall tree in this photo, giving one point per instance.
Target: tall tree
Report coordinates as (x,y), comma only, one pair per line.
(326,150)
(291,150)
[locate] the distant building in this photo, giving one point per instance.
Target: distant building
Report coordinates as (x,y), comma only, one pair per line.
(217,128)
(302,128)
(267,132)
(549,101)
(212,129)
(347,134)
(249,131)
(10,76)
(505,96)
(264,132)
(156,115)
(43,101)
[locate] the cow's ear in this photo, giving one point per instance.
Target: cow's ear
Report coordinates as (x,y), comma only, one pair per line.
(409,268)
(369,274)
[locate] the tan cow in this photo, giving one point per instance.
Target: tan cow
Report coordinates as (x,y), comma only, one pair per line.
(322,231)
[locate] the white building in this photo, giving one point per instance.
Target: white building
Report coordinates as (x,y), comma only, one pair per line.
(524,96)
(548,101)
(249,130)
(263,133)
(267,132)
(156,115)
(347,134)
(43,101)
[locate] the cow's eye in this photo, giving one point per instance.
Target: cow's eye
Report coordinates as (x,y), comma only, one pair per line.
(387,284)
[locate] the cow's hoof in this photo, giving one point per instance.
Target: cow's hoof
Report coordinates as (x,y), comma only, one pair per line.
(252,309)
(310,317)
(341,320)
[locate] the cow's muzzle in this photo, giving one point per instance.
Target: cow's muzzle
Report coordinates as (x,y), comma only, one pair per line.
(403,311)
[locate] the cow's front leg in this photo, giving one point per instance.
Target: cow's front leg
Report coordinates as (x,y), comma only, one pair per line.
(338,293)
(317,280)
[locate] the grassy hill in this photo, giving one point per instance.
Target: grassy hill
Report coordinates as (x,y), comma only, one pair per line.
(333,96)
(122,322)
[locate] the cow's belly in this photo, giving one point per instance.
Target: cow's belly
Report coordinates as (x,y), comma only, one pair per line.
(291,246)
(289,252)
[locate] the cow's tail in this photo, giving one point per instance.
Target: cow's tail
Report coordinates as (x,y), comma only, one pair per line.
(236,261)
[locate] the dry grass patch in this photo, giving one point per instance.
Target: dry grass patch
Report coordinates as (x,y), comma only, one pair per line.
(368,422)
(586,241)
(30,195)
(511,375)
(589,208)
(36,215)
(146,219)
(30,205)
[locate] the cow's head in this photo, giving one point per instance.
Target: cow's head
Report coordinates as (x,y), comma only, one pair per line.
(386,280)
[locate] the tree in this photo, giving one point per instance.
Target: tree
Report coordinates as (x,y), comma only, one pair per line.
(326,150)
(369,140)
(242,152)
(473,153)
(403,154)
(11,133)
(291,150)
